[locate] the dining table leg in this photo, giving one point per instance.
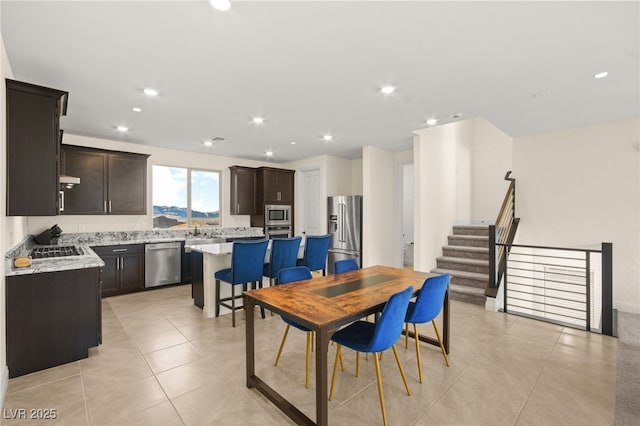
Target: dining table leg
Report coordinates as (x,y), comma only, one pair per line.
(249,306)
(323,335)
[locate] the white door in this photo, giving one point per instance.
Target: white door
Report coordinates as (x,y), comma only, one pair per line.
(407,214)
(313,206)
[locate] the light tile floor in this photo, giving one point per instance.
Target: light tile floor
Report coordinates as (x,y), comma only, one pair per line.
(162,363)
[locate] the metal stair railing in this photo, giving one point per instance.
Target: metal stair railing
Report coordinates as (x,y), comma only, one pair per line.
(501,234)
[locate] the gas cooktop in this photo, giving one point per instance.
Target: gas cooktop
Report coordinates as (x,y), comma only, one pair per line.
(55,251)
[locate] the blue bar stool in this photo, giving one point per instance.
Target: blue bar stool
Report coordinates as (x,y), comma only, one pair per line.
(426,308)
(345,265)
(247,260)
(284,253)
(315,253)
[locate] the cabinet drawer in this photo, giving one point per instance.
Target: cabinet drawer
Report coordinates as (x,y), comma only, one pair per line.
(119,249)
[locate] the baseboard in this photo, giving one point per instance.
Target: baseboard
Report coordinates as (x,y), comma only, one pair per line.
(4,383)
(628,307)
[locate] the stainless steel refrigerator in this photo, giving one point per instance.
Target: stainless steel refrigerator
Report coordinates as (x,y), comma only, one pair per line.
(345,226)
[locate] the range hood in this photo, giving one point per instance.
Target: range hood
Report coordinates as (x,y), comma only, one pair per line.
(68,181)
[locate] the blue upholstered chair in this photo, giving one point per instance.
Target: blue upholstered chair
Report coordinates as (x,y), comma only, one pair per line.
(345,265)
(284,253)
(363,336)
(315,253)
(426,308)
(247,260)
(287,275)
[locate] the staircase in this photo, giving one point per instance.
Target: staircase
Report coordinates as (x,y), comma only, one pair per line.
(466,259)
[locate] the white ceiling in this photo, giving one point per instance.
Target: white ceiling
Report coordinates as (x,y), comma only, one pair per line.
(312,68)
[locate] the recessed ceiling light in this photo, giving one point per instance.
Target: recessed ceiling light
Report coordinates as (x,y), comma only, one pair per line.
(150,92)
(387,90)
(292,143)
(269,153)
(327,138)
(220,4)
(122,128)
(258,120)
(432,122)
(136,109)
(602,74)
(208,143)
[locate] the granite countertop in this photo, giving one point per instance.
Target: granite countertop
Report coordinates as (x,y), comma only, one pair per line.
(88,260)
(91,260)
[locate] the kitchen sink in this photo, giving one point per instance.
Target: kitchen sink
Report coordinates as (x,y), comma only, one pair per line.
(200,241)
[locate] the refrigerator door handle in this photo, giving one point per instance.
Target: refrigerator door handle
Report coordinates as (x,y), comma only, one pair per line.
(342,221)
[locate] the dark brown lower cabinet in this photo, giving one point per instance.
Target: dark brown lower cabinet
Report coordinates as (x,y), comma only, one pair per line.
(52,318)
(123,270)
(197,279)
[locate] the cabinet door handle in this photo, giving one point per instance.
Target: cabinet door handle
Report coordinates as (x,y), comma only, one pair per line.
(119,250)
(61,201)
(238,208)
(109,206)
(105,206)
(279,195)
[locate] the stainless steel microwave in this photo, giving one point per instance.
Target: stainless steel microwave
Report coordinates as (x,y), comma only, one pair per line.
(275,215)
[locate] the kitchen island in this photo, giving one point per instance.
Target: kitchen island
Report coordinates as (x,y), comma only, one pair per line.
(214,258)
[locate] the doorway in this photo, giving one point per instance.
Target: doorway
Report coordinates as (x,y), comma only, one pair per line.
(313,207)
(407,214)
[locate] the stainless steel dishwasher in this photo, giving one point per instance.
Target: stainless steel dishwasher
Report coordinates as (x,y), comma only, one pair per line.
(162,264)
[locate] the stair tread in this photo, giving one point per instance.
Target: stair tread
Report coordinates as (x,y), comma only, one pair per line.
(472,226)
(462,274)
(467,248)
(466,290)
(479,262)
(470,237)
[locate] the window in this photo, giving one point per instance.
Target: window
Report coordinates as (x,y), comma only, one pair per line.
(185,198)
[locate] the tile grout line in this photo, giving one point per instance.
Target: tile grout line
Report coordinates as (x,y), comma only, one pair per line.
(535,383)
(155,377)
(84,396)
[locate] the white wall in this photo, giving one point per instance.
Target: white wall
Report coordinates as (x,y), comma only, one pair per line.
(459,179)
(159,156)
(381,227)
(580,187)
(441,181)
(491,153)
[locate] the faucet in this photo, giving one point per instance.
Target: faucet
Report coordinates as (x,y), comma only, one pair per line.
(196,232)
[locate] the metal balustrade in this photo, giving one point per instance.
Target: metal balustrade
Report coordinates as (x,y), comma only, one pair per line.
(566,286)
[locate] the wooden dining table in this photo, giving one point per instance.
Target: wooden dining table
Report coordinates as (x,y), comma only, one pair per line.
(324,304)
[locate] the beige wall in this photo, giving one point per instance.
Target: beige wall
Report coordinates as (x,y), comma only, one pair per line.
(580,187)
(337,177)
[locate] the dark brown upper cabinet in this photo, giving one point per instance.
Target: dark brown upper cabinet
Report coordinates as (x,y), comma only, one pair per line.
(275,186)
(111,182)
(243,190)
(33,148)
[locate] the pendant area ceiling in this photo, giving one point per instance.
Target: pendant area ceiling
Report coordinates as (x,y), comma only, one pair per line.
(312,69)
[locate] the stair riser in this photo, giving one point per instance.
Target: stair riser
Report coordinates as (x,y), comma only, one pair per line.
(476,300)
(459,230)
(469,282)
(453,241)
(464,254)
(459,266)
